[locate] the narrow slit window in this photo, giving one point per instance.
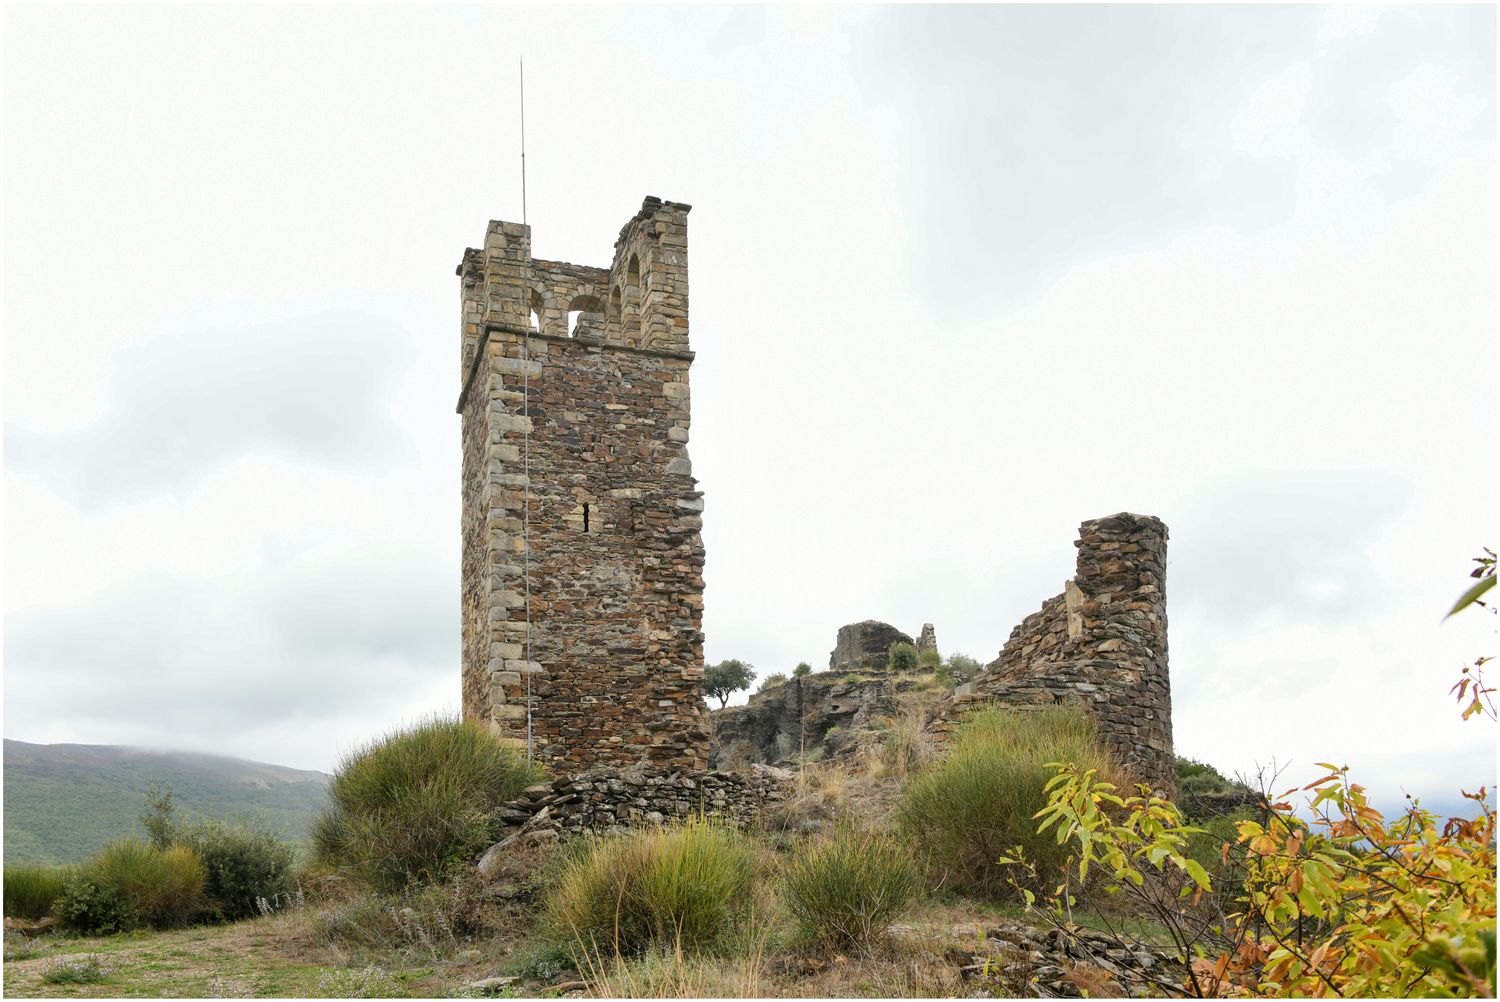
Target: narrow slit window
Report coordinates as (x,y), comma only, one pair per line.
(585,518)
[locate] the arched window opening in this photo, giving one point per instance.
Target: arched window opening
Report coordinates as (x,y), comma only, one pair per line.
(538,307)
(585,315)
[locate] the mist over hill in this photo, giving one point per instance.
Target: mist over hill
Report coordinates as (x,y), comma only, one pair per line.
(64,801)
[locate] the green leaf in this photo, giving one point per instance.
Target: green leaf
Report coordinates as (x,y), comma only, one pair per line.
(1471,596)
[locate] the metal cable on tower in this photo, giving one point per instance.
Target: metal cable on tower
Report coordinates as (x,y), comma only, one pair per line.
(526,435)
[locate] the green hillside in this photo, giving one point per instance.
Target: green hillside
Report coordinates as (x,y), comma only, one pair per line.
(62,802)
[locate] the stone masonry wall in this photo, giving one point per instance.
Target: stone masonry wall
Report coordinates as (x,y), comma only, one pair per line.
(1101,644)
(591,426)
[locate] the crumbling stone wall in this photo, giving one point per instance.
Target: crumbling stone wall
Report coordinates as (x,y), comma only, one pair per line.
(864,645)
(604,799)
(1101,644)
(588,428)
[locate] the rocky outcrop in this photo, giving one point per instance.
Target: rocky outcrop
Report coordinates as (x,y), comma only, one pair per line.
(927,640)
(864,645)
(823,714)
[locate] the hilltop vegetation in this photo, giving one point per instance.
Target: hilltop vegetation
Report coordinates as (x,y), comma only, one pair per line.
(64,802)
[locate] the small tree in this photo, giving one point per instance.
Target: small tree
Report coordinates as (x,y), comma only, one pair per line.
(803,668)
(902,657)
(727,677)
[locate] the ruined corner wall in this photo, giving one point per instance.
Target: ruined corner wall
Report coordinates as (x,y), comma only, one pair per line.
(1101,644)
(591,427)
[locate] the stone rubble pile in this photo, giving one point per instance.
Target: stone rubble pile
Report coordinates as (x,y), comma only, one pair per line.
(1016,954)
(605,799)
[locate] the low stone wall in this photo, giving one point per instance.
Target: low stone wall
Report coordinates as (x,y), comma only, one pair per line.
(605,799)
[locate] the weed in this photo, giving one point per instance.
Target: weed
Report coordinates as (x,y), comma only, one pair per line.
(369,982)
(86,969)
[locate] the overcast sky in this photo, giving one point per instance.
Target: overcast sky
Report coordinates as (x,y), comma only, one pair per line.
(961,279)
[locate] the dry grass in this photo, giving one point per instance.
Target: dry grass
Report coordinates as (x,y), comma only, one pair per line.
(1092,982)
(678,974)
(912,965)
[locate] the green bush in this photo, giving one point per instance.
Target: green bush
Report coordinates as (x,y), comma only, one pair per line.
(929,659)
(31,890)
(846,890)
(958,669)
(418,804)
(1194,777)
(775,678)
(1207,847)
(803,668)
(243,864)
(687,885)
(133,883)
(88,907)
(902,657)
(967,810)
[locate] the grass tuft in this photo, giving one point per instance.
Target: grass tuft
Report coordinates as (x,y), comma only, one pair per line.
(76,970)
(846,890)
(689,884)
(967,810)
(31,890)
(417,804)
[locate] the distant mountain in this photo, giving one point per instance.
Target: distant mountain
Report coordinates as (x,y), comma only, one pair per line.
(62,802)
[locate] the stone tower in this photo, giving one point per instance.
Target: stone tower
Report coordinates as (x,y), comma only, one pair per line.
(575,405)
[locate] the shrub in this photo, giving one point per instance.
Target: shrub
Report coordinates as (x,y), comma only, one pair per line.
(902,657)
(976,805)
(163,886)
(241,863)
(133,883)
(688,884)
(929,659)
(89,907)
(31,890)
(846,890)
(958,669)
(418,804)
(775,678)
(803,668)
